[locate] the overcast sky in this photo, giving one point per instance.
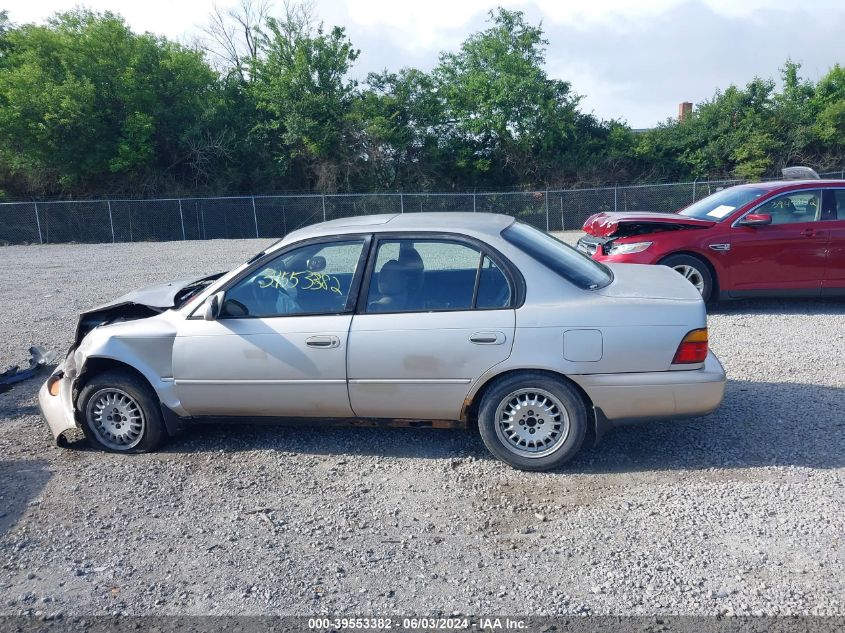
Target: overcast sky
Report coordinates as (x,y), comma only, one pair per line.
(631,59)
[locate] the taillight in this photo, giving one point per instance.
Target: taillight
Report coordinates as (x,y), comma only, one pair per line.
(693,349)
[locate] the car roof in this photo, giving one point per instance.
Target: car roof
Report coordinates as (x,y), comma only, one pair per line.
(797,184)
(448,222)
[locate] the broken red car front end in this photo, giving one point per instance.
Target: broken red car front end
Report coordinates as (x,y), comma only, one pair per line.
(627,237)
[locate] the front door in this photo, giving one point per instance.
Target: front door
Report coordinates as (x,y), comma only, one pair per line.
(279,345)
(788,254)
(437,315)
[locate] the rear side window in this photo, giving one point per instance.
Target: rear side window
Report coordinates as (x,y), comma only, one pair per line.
(493,288)
(561,258)
(833,205)
(427,275)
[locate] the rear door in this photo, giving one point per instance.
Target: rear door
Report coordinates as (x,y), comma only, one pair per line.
(788,254)
(833,219)
(279,345)
(434,316)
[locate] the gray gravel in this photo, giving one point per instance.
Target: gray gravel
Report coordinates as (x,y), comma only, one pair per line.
(740,512)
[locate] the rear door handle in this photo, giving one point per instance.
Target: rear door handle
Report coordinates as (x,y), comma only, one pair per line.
(488,338)
(323,341)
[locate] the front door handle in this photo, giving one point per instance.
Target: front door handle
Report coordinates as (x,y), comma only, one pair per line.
(808,232)
(488,338)
(323,342)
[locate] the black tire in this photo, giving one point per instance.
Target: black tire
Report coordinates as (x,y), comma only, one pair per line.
(561,449)
(139,396)
(700,268)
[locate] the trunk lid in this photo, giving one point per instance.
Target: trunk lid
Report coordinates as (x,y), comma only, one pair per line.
(641,281)
(634,223)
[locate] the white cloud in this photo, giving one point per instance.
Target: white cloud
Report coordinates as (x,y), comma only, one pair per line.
(632,59)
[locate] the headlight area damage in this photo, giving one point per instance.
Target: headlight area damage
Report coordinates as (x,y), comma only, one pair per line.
(143,303)
(602,229)
(57,396)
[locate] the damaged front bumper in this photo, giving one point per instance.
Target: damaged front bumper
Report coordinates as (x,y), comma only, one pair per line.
(58,410)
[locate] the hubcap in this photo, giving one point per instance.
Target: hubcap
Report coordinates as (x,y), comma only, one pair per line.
(116,419)
(692,274)
(532,422)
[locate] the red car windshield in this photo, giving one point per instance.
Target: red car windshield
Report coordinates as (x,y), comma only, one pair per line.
(721,204)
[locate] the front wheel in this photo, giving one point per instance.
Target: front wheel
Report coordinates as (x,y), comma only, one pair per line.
(120,413)
(694,271)
(532,421)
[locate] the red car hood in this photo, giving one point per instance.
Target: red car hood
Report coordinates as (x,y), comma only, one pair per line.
(607,224)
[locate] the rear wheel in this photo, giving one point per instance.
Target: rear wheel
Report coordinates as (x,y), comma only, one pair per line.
(694,270)
(532,421)
(121,414)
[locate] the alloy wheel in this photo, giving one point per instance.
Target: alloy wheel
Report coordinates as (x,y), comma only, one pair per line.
(532,422)
(692,275)
(116,418)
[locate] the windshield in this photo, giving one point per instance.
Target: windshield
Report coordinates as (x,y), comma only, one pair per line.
(722,203)
(561,258)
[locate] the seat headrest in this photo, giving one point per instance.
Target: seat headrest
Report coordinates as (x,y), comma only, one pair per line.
(392,278)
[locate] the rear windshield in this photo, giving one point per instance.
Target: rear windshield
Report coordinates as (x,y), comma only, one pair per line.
(561,258)
(721,204)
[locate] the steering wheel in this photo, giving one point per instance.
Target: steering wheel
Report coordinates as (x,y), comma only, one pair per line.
(259,296)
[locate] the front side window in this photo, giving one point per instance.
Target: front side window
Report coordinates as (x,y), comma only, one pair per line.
(791,208)
(561,258)
(311,279)
(413,275)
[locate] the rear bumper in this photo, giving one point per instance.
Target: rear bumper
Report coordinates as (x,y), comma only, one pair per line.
(57,411)
(664,394)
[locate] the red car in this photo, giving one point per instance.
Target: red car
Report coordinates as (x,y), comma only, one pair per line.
(783,238)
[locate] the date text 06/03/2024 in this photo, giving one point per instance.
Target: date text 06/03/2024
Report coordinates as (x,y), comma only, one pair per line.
(418,623)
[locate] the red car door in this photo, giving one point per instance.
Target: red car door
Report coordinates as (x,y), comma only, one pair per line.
(833,219)
(788,254)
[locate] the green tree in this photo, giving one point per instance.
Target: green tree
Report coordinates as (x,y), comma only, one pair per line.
(304,99)
(400,116)
(506,120)
(85,104)
(829,126)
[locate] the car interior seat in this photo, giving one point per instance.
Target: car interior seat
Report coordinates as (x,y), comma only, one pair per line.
(392,288)
(412,261)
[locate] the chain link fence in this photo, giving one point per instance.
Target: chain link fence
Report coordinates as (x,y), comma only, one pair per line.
(167,219)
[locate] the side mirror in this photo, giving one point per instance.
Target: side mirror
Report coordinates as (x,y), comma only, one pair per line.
(756,219)
(211,307)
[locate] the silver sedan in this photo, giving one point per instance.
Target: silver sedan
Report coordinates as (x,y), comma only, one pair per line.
(426,319)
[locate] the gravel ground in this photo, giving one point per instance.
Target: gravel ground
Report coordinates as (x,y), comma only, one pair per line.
(742,511)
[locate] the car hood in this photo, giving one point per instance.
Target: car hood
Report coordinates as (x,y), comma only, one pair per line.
(633,223)
(138,304)
(160,296)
